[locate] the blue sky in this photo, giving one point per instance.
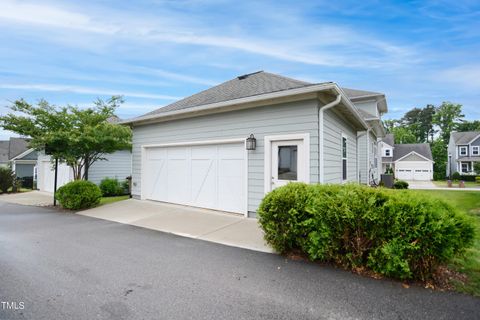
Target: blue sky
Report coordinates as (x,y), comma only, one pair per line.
(154,52)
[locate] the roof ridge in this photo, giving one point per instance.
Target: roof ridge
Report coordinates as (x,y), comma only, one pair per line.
(288,78)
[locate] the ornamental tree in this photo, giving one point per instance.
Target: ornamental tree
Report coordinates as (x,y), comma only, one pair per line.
(77,136)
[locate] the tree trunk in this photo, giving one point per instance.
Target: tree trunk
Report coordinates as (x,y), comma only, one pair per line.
(87,166)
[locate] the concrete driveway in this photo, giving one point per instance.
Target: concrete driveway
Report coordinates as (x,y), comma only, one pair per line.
(229,229)
(31,198)
(69,266)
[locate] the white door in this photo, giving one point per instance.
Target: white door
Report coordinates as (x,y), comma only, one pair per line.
(288,159)
(207,176)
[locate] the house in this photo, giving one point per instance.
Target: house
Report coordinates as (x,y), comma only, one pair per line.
(116,165)
(226,147)
(463,152)
(16,153)
(408,161)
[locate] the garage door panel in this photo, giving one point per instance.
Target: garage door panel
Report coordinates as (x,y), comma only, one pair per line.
(204,188)
(155,180)
(209,176)
(178,188)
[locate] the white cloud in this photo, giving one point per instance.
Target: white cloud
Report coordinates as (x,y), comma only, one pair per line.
(467,76)
(323,45)
(84,90)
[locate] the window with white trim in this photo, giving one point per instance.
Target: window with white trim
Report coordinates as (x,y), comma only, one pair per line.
(463,151)
(387,152)
(475,150)
(344,158)
(465,167)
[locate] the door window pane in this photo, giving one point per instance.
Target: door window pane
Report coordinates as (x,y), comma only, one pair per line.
(287,163)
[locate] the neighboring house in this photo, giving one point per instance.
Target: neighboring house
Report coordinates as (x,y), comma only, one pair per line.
(408,161)
(117,165)
(199,151)
(23,160)
(463,152)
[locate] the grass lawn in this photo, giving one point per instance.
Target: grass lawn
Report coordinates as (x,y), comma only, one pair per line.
(468,202)
(468,184)
(107,200)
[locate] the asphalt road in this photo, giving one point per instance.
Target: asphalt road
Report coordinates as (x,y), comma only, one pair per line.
(66,266)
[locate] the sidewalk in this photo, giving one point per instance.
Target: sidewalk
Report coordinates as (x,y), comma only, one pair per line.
(228,229)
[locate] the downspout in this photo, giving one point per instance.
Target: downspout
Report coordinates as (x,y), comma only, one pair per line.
(321,134)
(368,156)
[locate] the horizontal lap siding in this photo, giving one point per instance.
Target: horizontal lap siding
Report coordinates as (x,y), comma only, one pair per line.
(334,126)
(117,165)
(295,117)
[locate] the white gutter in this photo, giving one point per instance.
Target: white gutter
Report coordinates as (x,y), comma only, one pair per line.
(252,99)
(368,156)
(321,134)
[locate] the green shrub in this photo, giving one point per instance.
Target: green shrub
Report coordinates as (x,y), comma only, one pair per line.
(7,177)
(395,233)
(111,187)
(400,184)
(281,213)
(477,179)
(79,194)
(456,176)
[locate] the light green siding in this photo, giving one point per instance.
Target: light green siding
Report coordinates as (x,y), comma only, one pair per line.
(294,117)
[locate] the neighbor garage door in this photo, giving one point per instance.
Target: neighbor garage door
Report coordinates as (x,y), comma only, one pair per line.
(413,170)
(207,176)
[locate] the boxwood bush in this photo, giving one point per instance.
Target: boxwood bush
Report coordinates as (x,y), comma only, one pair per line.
(7,177)
(392,232)
(111,187)
(79,194)
(400,184)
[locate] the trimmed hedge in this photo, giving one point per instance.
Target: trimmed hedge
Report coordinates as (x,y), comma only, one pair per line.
(395,233)
(400,184)
(111,187)
(79,194)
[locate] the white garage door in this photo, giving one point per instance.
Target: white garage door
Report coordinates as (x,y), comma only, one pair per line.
(46,178)
(413,170)
(207,176)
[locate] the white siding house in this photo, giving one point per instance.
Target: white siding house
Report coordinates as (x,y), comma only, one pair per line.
(194,151)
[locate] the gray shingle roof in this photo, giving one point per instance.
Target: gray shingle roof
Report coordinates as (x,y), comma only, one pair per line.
(17,146)
(244,86)
(4,146)
(401,150)
(355,94)
(464,137)
(389,139)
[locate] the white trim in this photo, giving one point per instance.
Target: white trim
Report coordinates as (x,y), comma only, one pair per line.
(460,151)
(24,161)
(385,152)
(474,147)
(194,143)
(413,152)
(23,154)
(268,156)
